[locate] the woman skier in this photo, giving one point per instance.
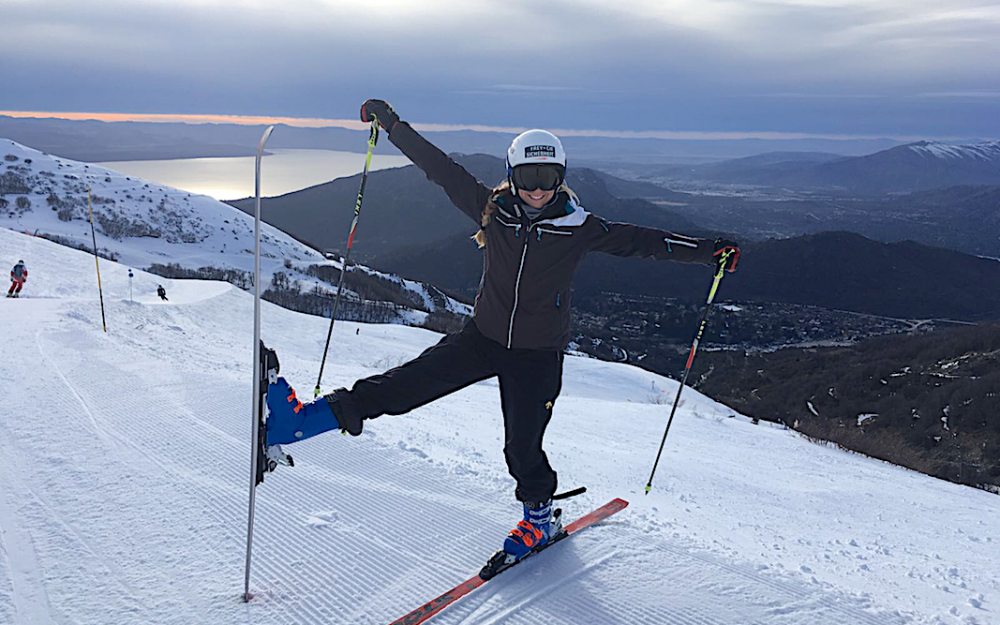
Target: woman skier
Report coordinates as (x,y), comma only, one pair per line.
(18,276)
(535,233)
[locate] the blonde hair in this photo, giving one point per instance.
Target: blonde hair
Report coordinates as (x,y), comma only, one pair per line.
(491,207)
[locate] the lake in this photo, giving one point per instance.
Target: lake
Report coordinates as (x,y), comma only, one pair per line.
(282,171)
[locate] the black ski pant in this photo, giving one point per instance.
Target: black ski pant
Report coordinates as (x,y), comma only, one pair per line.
(530,381)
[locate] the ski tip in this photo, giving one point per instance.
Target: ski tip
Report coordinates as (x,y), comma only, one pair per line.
(621,503)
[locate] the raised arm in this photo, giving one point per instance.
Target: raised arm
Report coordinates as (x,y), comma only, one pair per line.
(464,190)
(619,239)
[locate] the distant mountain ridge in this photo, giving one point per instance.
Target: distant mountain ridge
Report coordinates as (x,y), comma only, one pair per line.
(913,167)
(989,151)
(760,169)
(964,218)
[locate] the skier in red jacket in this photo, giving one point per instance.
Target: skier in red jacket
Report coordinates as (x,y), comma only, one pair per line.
(18,276)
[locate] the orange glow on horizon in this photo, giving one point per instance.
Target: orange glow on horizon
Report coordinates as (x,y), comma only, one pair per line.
(248,120)
(318,122)
(166,118)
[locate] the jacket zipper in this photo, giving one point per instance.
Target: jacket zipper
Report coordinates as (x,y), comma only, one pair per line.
(517,285)
(520,269)
(539,231)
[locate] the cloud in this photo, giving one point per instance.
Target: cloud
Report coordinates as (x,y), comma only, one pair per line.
(700,64)
(791,95)
(962,95)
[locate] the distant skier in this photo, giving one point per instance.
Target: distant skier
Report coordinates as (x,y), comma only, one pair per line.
(18,276)
(162,292)
(535,233)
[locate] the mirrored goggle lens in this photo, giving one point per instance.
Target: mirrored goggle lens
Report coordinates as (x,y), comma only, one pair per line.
(544,177)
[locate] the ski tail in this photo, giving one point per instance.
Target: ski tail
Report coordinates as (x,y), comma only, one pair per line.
(260,376)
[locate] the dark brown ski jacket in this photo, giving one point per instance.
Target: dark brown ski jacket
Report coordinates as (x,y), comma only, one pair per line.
(524,295)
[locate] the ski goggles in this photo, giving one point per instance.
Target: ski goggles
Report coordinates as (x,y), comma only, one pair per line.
(546,177)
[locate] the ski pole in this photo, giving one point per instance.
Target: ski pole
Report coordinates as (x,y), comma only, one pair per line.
(96,263)
(694,348)
(372,140)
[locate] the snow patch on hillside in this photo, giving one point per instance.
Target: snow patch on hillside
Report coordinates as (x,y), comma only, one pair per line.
(141,223)
(989,151)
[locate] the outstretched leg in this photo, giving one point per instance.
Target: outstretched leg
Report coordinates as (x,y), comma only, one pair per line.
(455,362)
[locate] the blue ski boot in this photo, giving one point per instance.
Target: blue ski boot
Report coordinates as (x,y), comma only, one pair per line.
(540,526)
(532,532)
(290,421)
(268,456)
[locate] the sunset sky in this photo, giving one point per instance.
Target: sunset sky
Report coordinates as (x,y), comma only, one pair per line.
(757,67)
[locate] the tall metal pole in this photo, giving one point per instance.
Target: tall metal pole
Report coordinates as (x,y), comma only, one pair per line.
(372,140)
(723,261)
(93,237)
(256,362)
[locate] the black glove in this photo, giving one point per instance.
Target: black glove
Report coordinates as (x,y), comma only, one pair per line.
(380,110)
(724,247)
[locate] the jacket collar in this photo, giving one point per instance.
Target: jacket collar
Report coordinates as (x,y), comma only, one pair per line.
(570,215)
(561,211)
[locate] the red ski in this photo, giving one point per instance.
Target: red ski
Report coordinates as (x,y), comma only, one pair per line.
(426,611)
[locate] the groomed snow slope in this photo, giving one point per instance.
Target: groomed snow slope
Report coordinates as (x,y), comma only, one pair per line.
(124,470)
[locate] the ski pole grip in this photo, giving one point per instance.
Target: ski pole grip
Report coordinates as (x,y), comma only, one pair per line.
(724,259)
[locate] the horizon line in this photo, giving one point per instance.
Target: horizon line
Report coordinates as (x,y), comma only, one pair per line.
(317,122)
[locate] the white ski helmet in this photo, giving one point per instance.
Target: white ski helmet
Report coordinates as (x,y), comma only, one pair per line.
(535,147)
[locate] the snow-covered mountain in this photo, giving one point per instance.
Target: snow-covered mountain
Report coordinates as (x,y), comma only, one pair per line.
(906,168)
(124,464)
(913,167)
(988,152)
(140,223)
